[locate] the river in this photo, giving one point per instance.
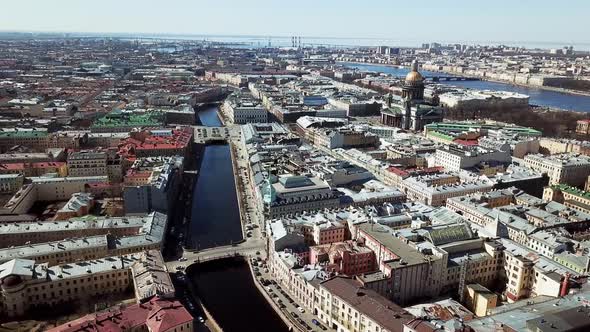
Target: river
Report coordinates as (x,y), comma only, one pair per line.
(228,292)
(225,287)
(540,97)
(215,213)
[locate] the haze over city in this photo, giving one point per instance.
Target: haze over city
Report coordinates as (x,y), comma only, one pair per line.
(406,23)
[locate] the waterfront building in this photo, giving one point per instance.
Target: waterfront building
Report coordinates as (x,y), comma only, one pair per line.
(463,101)
(242,109)
(152,184)
(27,285)
(583,127)
(567,169)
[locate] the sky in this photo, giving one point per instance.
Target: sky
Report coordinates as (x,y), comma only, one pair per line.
(392,21)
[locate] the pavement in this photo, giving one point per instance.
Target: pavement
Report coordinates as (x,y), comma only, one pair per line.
(279,293)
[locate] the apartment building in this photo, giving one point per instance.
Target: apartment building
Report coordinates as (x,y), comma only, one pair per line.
(345,305)
(161,315)
(27,285)
(453,158)
(87,163)
(567,169)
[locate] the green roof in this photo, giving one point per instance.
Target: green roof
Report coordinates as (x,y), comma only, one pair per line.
(572,190)
(23,133)
(464,126)
(119,119)
(441,135)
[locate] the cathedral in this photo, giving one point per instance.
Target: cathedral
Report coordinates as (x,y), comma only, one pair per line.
(413,113)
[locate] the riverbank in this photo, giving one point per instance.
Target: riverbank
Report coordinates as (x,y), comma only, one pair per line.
(228,291)
(482,78)
(272,303)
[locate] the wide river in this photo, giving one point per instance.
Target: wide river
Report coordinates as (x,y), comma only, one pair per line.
(540,97)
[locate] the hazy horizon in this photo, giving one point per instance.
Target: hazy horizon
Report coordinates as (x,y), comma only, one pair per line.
(401,22)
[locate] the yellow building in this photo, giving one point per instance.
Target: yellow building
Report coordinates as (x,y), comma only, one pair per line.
(480,299)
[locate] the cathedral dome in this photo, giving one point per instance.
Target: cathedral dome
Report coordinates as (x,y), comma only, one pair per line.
(414,77)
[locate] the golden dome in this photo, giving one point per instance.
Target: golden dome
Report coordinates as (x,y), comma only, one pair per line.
(414,77)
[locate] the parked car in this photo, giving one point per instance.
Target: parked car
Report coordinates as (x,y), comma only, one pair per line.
(315,322)
(301,310)
(201,319)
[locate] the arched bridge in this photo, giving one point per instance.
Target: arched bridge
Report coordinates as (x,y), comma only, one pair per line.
(246,248)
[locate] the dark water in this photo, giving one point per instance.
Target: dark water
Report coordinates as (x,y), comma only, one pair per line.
(215,215)
(209,117)
(539,97)
(227,290)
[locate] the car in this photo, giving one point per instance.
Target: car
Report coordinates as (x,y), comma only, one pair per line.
(269,289)
(301,310)
(315,322)
(182,259)
(294,315)
(201,319)
(323,327)
(258,253)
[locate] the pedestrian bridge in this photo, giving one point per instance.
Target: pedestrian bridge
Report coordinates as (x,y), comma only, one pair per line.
(244,249)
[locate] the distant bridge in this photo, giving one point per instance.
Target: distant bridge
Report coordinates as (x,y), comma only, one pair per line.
(451,78)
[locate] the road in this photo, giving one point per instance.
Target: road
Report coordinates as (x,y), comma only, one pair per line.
(247,248)
(278,293)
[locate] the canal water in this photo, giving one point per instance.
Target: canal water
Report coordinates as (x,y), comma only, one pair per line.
(540,97)
(227,290)
(209,117)
(225,287)
(215,216)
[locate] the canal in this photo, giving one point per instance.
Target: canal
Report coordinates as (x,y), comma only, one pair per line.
(209,117)
(540,97)
(225,287)
(228,292)
(215,215)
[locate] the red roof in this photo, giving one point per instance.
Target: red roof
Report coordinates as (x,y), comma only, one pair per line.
(12,166)
(397,171)
(158,315)
(466,142)
(50,164)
